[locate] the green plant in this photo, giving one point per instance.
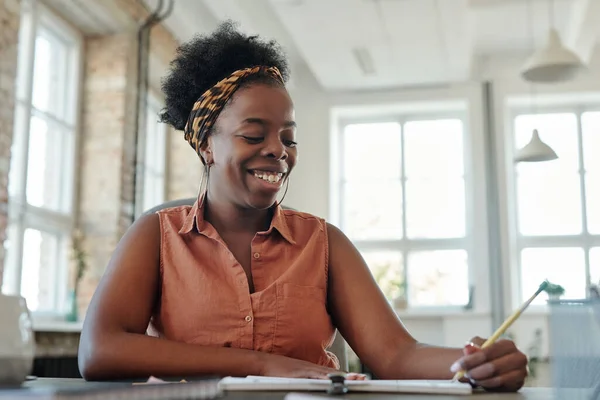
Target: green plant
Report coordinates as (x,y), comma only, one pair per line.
(80,257)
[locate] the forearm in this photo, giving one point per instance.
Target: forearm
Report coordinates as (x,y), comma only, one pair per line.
(421,361)
(130,355)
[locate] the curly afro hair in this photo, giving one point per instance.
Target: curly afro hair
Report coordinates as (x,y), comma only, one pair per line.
(206,59)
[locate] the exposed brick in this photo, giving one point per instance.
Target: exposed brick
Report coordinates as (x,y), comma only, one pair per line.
(9,33)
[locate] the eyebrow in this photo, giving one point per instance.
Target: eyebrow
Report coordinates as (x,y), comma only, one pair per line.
(260,121)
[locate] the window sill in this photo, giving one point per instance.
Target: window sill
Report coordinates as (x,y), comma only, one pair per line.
(55,325)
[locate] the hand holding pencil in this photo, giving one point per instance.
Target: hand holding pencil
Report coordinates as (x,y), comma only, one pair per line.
(492,363)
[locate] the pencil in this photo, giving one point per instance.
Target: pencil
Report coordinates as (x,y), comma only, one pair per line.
(506,324)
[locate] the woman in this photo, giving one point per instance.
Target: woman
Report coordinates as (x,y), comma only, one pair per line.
(235,285)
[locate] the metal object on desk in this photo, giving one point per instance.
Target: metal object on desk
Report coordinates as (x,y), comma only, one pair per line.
(575,348)
(338,383)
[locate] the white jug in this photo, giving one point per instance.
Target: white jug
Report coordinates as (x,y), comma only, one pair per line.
(17,342)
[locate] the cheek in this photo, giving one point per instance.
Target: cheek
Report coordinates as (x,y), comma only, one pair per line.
(293,158)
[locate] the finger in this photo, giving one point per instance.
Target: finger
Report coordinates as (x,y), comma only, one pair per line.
(511,381)
(470,348)
(353,376)
(499,366)
(477,341)
(477,358)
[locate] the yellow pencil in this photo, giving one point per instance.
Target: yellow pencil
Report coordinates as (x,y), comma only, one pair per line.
(509,321)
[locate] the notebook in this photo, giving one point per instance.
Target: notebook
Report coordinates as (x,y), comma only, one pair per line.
(155,390)
(260,383)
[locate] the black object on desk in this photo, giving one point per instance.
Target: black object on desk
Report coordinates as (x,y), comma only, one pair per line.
(338,384)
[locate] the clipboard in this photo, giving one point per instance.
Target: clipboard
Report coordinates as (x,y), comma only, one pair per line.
(336,386)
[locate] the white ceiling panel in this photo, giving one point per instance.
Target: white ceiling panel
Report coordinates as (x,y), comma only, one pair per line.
(374,44)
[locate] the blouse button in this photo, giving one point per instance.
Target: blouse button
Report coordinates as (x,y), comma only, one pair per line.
(248,318)
(256,255)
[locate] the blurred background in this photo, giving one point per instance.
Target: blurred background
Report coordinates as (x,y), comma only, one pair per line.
(455,142)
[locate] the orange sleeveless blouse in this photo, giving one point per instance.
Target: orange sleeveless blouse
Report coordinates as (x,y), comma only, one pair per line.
(205,298)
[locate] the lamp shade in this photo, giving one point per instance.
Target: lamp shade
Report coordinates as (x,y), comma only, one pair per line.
(535,150)
(553,63)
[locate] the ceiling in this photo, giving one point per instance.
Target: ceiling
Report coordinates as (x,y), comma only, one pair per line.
(375,44)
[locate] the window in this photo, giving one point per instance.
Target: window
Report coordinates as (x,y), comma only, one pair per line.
(41,180)
(402,202)
(558,203)
(155,150)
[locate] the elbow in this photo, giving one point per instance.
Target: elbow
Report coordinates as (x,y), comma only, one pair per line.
(91,360)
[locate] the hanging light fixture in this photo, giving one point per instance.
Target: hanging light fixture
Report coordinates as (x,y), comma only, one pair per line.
(535,150)
(554,62)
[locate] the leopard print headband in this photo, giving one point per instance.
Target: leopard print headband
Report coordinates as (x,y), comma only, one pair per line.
(208,107)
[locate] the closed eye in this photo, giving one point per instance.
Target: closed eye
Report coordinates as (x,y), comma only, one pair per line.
(290,143)
(253,139)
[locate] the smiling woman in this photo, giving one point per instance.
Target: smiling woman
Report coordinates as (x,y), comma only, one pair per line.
(236,285)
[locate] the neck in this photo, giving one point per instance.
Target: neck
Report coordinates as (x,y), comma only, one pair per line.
(230,218)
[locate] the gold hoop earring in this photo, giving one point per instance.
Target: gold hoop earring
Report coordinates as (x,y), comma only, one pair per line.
(287,185)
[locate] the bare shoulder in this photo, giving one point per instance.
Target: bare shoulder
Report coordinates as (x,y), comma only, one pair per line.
(340,246)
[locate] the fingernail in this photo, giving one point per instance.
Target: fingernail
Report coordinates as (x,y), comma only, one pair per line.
(456,367)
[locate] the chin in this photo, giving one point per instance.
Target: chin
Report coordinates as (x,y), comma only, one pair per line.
(261,202)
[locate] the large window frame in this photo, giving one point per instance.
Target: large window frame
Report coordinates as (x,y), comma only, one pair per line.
(584,240)
(405,245)
(59,219)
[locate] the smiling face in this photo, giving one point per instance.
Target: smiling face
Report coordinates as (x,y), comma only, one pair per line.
(253,149)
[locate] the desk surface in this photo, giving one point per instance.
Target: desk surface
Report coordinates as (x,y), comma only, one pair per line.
(524,394)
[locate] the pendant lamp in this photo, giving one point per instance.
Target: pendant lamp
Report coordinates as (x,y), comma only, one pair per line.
(554,62)
(535,150)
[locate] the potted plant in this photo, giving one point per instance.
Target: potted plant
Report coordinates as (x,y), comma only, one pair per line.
(554,291)
(398,291)
(79,257)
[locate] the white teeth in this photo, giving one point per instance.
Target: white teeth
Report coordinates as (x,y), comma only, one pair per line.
(272,177)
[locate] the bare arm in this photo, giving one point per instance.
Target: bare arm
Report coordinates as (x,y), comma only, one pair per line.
(371,327)
(113,341)
(374,331)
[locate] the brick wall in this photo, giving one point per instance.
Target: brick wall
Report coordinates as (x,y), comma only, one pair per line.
(108,139)
(9,33)
(108,75)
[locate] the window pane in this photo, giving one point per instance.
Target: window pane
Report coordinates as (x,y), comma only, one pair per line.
(15,179)
(549,204)
(435,208)
(44,168)
(560,265)
(51,81)
(559,131)
(438,278)
(387,269)
(154,161)
(44,73)
(372,151)
(590,125)
(592,192)
(40,270)
(433,148)
(595,265)
(372,210)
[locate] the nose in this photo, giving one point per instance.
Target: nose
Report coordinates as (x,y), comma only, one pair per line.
(274,148)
